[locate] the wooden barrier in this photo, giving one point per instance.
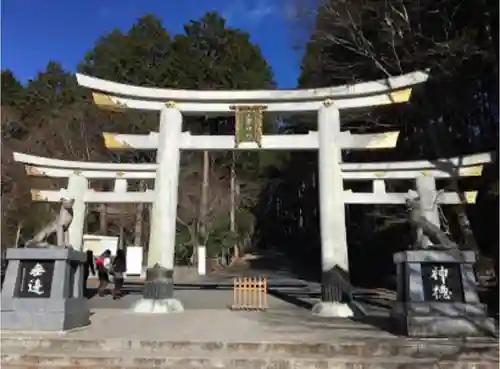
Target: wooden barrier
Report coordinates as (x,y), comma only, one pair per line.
(249,294)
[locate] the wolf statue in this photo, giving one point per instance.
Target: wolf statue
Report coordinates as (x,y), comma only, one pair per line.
(59,226)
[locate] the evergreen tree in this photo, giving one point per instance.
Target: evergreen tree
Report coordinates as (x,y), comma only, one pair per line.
(12,89)
(456,111)
(208,55)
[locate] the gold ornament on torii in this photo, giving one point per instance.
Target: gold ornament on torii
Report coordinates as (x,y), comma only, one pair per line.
(248,123)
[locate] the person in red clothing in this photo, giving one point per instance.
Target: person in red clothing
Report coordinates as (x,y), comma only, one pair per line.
(102,265)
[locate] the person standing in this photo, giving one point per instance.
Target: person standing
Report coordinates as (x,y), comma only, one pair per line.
(88,267)
(118,267)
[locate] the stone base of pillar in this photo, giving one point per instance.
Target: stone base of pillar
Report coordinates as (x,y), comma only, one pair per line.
(151,306)
(158,293)
(335,291)
(330,290)
(159,283)
(335,286)
(332,310)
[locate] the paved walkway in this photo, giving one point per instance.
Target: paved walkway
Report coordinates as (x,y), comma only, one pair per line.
(284,294)
(292,325)
(192,299)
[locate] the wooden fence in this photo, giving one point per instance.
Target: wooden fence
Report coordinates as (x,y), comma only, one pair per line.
(249,294)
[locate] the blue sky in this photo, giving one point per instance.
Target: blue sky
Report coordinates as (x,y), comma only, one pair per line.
(36,31)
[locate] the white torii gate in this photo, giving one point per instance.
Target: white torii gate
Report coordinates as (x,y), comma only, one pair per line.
(329,140)
(79,173)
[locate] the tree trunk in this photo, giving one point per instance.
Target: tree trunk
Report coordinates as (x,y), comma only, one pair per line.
(145,247)
(139,220)
(18,233)
(103,220)
(232,215)
(202,228)
(121,241)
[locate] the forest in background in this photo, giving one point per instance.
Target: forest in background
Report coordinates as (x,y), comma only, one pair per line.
(267,201)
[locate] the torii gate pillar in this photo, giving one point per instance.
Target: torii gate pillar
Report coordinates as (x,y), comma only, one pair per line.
(332,213)
(159,285)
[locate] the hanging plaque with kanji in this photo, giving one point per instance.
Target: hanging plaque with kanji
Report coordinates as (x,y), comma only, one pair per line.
(248,124)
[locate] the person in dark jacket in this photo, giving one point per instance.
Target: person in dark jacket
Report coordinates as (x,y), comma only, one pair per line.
(88,268)
(118,268)
(102,264)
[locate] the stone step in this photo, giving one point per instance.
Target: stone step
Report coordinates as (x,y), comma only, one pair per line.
(141,360)
(487,349)
(394,364)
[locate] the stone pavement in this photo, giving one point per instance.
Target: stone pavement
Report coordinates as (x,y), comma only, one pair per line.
(284,293)
(296,325)
(192,299)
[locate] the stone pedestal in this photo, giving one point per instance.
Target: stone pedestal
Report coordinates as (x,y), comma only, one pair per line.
(437,295)
(158,293)
(336,295)
(159,283)
(43,290)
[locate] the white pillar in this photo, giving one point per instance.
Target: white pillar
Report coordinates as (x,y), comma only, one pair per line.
(164,212)
(121,185)
(202,260)
(331,191)
(332,208)
(426,189)
(159,286)
(77,186)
